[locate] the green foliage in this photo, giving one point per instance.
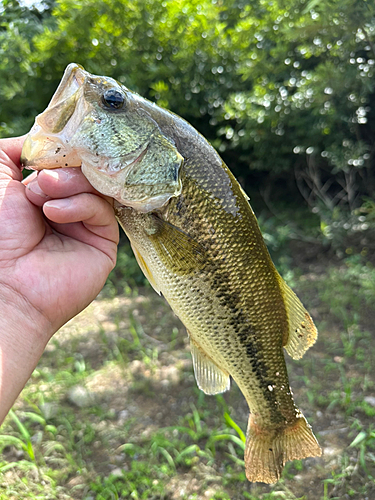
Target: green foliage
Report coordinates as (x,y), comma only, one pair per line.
(284,90)
(349,303)
(139,483)
(53,449)
(126,277)
(365,443)
(350,233)
(25,442)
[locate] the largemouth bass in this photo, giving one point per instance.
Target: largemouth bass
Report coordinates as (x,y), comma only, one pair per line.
(198,242)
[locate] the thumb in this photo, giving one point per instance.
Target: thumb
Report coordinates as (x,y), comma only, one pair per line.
(12,148)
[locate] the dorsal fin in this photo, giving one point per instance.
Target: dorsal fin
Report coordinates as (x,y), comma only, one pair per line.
(302,331)
(210,378)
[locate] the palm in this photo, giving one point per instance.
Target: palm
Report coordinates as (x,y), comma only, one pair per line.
(57,268)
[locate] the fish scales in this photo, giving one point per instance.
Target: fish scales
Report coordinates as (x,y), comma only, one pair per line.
(217,305)
(198,242)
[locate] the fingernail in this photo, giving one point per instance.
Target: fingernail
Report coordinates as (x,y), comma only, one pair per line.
(57,174)
(34,187)
(58,204)
(30,178)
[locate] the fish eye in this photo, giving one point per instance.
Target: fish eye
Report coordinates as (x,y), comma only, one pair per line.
(113,98)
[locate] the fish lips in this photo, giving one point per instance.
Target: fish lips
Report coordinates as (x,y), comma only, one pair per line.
(47,144)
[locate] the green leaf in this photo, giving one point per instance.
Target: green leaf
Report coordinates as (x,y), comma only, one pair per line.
(12,441)
(234,426)
(24,432)
(358,439)
(167,456)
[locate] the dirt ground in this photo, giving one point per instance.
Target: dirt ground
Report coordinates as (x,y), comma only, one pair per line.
(121,373)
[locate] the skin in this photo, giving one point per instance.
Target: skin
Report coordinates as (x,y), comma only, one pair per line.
(58,244)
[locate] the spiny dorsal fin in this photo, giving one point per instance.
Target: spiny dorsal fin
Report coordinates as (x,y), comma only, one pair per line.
(210,378)
(302,331)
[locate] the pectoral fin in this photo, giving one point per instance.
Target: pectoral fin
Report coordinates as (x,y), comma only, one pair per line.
(179,251)
(210,378)
(302,331)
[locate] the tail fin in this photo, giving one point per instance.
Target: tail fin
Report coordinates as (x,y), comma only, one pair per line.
(267,451)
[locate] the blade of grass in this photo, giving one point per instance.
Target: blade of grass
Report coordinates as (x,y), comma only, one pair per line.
(24,432)
(167,456)
(234,426)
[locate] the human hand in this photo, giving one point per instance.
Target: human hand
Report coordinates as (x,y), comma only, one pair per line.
(58,243)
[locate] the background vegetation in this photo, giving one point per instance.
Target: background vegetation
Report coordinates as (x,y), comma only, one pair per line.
(285,90)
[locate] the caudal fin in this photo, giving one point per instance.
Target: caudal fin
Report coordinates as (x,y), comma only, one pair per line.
(267,451)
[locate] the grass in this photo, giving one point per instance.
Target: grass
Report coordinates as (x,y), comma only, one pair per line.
(113,412)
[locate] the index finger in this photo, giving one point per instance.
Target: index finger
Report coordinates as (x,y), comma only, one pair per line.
(65,182)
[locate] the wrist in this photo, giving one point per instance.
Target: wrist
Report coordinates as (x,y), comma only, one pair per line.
(20,315)
(24,334)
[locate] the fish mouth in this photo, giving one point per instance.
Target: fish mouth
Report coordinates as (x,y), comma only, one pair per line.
(47,144)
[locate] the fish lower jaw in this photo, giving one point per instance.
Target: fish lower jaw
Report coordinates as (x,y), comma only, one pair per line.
(50,155)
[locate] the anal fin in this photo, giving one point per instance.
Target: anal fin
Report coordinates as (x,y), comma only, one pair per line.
(210,378)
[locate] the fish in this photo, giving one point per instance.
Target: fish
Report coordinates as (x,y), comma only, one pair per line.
(198,242)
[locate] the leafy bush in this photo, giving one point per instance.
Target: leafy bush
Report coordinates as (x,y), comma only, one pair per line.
(284,90)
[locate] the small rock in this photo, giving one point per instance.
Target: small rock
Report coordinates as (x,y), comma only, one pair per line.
(136,367)
(75,481)
(122,416)
(330,451)
(80,396)
(370,400)
(116,472)
(119,458)
(49,410)
(19,454)
(171,373)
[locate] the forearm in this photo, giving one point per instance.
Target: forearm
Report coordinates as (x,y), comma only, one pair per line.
(23,337)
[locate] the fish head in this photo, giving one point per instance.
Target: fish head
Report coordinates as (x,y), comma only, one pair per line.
(95,123)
